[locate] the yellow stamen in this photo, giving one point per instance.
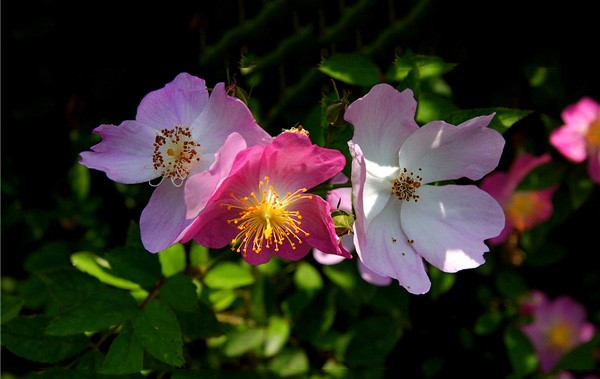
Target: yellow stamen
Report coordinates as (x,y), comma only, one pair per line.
(405,186)
(265,221)
(175,152)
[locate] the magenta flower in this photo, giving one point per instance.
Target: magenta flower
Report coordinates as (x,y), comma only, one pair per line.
(558,326)
(341,198)
(177,132)
(579,138)
(400,218)
(263,208)
(524,209)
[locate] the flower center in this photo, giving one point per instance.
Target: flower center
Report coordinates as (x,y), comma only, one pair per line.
(559,336)
(174,154)
(405,186)
(525,209)
(593,134)
(265,220)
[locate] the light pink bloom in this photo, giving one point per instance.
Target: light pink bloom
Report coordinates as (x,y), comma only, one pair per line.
(263,208)
(400,218)
(558,326)
(524,209)
(341,198)
(578,138)
(177,132)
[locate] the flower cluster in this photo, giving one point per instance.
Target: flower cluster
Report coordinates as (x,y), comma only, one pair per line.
(221,180)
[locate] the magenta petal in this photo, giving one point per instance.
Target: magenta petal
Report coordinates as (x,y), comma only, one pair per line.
(199,187)
(382,119)
(593,167)
(125,153)
(570,141)
(450,223)
(163,219)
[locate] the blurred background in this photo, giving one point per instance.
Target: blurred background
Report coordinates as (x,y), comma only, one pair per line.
(68,66)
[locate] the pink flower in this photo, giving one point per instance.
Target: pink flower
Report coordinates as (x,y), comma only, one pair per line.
(263,208)
(558,326)
(341,198)
(524,209)
(579,138)
(400,218)
(177,132)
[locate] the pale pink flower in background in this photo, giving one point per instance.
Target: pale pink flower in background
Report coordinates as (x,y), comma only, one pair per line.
(578,138)
(341,198)
(524,209)
(400,218)
(263,208)
(556,328)
(177,132)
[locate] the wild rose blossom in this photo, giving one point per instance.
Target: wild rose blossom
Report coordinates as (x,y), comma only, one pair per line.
(341,198)
(557,327)
(263,208)
(524,209)
(177,132)
(578,138)
(400,218)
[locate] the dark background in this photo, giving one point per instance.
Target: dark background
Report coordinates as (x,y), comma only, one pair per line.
(69,66)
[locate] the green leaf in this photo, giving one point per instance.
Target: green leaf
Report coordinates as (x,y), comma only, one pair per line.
(510,284)
(278,333)
(52,254)
(125,355)
(179,291)
(201,323)
(372,340)
(101,309)
(426,66)
(25,337)
(157,329)
(582,357)
(136,265)
(11,307)
(521,354)
(228,275)
(79,179)
(97,267)
(67,286)
(290,362)
(307,278)
(441,282)
(488,322)
(355,69)
(240,342)
(199,256)
(172,260)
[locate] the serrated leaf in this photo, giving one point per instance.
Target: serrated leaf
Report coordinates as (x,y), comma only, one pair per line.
(11,307)
(51,255)
(93,265)
(521,354)
(25,337)
(125,355)
(228,275)
(101,309)
(67,286)
(157,329)
(172,260)
(278,333)
(180,293)
(136,265)
(355,69)
(201,323)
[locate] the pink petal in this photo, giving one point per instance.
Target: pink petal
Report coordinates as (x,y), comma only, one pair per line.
(163,219)
(382,119)
(223,115)
(498,185)
(570,142)
(581,113)
(386,251)
(327,259)
(371,276)
(124,154)
(524,164)
(199,187)
(593,167)
(443,151)
(177,103)
(450,223)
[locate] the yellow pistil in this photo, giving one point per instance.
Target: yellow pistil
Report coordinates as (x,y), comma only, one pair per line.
(593,134)
(405,186)
(265,221)
(175,152)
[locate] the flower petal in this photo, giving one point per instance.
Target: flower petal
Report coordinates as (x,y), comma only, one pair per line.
(386,251)
(163,219)
(177,103)
(449,224)
(443,151)
(382,119)
(223,115)
(593,167)
(124,154)
(570,142)
(371,276)
(327,259)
